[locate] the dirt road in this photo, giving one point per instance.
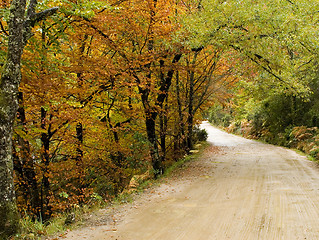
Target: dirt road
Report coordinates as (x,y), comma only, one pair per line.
(246,190)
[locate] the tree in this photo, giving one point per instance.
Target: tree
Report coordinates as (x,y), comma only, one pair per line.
(21,21)
(278,40)
(274,35)
(140,48)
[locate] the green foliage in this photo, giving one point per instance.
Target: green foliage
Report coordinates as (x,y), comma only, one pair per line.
(199,135)
(277,36)
(84,9)
(219,116)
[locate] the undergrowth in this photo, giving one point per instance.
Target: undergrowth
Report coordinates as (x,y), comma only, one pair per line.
(302,139)
(37,230)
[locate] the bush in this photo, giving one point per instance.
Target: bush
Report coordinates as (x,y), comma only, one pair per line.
(199,134)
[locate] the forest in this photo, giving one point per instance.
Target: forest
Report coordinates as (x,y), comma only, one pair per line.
(94,92)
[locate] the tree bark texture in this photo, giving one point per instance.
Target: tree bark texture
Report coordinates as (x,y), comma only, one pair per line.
(9,83)
(20,23)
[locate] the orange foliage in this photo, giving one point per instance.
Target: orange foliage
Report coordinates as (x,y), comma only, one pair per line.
(88,86)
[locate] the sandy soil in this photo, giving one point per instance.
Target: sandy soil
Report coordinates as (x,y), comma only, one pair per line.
(239,189)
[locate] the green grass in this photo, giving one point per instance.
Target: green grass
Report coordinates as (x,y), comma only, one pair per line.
(35,230)
(123,198)
(185,159)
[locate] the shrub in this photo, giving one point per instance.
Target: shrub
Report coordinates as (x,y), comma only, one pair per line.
(199,134)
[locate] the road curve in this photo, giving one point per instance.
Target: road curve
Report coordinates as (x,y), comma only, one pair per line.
(245,190)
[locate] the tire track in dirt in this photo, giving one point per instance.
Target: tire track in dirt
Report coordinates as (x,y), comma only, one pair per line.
(246,191)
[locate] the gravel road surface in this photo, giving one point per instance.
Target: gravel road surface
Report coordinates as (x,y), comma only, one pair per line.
(238,189)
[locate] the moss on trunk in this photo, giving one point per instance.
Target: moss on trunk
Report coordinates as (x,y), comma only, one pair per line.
(9,221)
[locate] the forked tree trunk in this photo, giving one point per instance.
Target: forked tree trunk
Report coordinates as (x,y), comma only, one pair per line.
(151,114)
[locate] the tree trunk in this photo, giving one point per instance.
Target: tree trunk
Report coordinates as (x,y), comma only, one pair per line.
(9,83)
(180,139)
(45,157)
(163,132)
(152,138)
(79,143)
(80,77)
(163,124)
(190,117)
(9,221)
(20,24)
(24,165)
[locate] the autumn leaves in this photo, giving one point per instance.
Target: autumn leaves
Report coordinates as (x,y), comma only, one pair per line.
(108,90)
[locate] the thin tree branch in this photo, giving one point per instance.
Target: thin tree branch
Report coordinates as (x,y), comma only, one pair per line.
(3,30)
(37,17)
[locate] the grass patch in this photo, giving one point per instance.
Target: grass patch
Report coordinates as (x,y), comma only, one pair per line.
(35,230)
(309,157)
(180,163)
(122,198)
